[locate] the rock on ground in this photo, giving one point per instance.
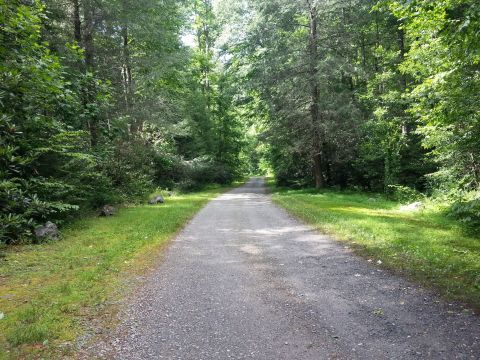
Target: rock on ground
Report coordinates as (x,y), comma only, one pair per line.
(157,200)
(49,231)
(108,210)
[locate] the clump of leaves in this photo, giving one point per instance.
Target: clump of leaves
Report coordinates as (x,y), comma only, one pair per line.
(403,193)
(467,211)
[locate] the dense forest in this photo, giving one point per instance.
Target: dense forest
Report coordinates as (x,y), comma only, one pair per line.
(102,101)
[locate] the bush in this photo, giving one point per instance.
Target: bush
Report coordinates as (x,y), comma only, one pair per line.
(403,194)
(14,226)
(468,212)
(37,145)
(201,171)
(130,167)
(292,171)
(187,185)
(22,211)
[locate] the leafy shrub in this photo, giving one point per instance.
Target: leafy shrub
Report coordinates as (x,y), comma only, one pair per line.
(187,185)
(36,144)
(202,171)
(292,171)
(23,211)
(403,193)
(468,212)
(129,166)
(34,181)
(14,226)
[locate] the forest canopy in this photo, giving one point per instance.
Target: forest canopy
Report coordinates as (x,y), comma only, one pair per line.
(102,101)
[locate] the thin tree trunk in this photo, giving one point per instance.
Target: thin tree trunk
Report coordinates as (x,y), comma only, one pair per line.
(315,98)
(377,43)
(127,69)
(318,171)
(77,31)
(127,72)
(77,24)
(88,37)
(364,52)
(403,78)
(475,167)
(92,122)
(206,34)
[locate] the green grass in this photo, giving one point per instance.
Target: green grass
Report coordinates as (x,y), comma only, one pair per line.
(52,293)
(425,245)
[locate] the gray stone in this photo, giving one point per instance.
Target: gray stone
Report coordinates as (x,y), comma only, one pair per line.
(412,207)
(108,210)
(157,200)
(49,231)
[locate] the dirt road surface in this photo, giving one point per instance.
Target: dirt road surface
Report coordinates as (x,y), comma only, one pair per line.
(244,280)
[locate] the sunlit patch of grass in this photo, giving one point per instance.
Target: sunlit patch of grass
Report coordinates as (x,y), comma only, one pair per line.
(424,244)
(50,293)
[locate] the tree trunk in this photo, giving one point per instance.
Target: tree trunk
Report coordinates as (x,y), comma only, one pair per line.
(315,99)
(405,128)
(88,37)
(92,123)
(206,49)
(77,24)
(364,52)
(318,171)
(127,70)
(377,44)
(128,79)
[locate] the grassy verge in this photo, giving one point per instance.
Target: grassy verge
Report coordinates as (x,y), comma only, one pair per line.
(424,244)
(51,293)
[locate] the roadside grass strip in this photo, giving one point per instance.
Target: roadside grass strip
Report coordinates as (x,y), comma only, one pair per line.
(423,244)
(51,294)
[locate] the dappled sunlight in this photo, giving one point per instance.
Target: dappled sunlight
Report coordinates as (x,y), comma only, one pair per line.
(275,231)
(276,239)
(393,214)
(251,249)
(391,217)
(237,196)
(425,244)
(264,232)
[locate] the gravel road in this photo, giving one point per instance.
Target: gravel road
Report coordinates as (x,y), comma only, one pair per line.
(246,281)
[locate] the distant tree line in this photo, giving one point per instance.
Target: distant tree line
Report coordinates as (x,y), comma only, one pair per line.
(379,95)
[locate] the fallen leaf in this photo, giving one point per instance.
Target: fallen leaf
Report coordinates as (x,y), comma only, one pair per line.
(378,312)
